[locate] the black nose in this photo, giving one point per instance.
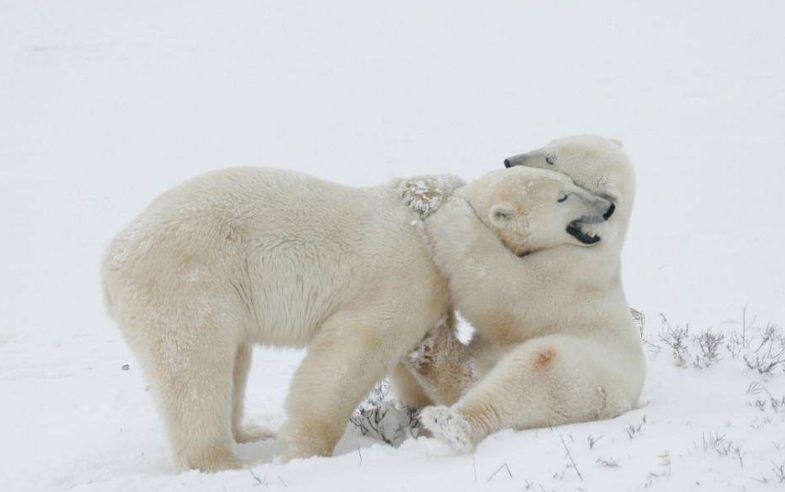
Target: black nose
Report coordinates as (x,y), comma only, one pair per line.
(507,163)
(609,212)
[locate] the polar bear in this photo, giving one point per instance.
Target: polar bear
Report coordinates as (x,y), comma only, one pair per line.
(555,342)
(251,256)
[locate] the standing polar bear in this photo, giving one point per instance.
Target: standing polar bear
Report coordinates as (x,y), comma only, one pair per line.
(259,256)
(250,256)
(555,342)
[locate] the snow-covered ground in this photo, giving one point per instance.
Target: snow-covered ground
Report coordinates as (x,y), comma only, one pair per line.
(106,103)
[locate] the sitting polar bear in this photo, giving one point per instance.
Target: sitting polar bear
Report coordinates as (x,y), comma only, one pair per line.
(249,256)
(555,342)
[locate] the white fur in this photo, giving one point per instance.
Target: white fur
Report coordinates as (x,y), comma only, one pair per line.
(248,256)
(554,324)
(449,426)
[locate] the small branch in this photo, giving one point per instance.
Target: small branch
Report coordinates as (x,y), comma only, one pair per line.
(503,467)
(569,455)
(608,462)
(593,441)
(255,477)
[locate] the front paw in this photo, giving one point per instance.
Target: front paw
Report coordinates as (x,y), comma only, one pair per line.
(449,426)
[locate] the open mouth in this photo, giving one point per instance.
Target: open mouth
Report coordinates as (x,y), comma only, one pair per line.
(575,230)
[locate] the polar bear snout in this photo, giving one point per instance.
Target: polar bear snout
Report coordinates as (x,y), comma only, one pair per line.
(516,160)
(596,208)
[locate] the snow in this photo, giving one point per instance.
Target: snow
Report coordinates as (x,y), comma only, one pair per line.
(106,103)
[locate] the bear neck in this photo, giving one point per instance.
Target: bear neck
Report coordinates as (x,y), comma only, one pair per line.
(493,289)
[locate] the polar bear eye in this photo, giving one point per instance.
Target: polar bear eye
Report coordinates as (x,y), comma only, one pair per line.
(563,198)
(550,159)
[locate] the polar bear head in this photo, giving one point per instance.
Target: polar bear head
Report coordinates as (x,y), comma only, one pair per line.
(535,209)
(595,163)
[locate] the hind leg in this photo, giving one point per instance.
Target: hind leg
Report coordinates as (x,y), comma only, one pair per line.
(547,381)
(190,373)
(242,365)
(407,389)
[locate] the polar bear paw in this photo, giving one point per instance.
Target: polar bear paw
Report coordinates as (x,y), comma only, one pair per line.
(449,426)
(422,358)
(252,433)
(434,345)
(425,194)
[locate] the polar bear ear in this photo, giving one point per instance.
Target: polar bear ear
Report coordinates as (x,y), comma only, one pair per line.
(617,142)
(501,214)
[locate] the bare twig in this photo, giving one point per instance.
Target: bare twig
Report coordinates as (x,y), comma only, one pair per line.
(569,455)
(258,480)
(633,430)
(779,471)
(503,467)
(593,441)
(608,462)
(722,446)
(708,345)
(676,339)
(381,418)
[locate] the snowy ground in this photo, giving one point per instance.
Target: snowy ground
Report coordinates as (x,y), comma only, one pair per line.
(105,103)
